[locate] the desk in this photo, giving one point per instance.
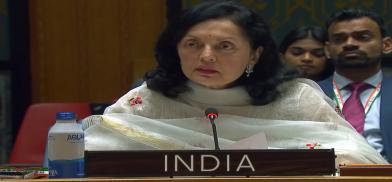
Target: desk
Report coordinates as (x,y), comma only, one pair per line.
(239,179)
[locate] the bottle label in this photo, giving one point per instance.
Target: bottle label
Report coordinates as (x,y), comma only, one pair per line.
(66,155)
(65,146)
(66,168)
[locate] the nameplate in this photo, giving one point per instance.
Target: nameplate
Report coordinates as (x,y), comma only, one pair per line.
(209,163)
(366,170)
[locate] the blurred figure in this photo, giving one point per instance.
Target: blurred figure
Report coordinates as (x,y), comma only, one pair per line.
(356,44)
(303,48)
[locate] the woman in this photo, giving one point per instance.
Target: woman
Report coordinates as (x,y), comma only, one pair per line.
(221,54)
(303,48)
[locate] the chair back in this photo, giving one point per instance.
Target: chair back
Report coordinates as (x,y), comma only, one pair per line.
(29,146)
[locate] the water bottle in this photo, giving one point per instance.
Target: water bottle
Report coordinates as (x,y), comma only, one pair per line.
(66,147)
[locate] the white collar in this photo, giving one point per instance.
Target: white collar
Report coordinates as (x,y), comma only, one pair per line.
(235,96)
(342,81)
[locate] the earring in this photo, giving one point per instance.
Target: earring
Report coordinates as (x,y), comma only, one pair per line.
(249,70)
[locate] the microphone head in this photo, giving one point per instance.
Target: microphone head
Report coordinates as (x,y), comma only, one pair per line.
(211,113)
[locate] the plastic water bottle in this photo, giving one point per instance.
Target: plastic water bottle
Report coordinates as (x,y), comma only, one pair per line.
(66,147)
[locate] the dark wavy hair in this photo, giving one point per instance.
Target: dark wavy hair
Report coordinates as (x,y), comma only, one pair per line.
(168,77)
(314,32)
(352,13)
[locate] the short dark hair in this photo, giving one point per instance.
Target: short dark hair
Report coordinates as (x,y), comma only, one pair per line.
(314,32)
(351,13)
(168,77)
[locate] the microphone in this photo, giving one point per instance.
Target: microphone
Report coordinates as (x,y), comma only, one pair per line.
(212,114)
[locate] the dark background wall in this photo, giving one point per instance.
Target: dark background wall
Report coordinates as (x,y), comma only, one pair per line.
(285,14)
(5,79)
(15,72)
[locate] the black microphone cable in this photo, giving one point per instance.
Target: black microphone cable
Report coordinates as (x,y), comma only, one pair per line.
(212,114)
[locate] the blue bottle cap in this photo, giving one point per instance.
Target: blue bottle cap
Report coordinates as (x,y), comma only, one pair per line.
(65,115)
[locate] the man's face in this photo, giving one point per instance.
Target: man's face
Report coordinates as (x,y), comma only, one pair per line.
(355,43)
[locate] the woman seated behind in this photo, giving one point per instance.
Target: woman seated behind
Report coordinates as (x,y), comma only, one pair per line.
(220,54)
(303,48)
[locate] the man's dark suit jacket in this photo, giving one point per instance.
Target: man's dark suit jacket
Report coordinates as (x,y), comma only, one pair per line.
(385,110)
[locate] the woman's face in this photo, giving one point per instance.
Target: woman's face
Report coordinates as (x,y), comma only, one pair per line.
(215,53)
(308,56)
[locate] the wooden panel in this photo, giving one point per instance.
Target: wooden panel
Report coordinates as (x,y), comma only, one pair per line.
(142,62)
(227,179)
(91,50)
(241,163)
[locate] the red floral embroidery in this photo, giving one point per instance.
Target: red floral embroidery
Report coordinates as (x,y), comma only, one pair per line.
(135,100)
(313,145)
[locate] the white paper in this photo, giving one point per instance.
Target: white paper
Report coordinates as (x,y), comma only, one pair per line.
(258,141)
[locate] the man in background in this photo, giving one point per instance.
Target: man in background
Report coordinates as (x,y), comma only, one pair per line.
(356,44)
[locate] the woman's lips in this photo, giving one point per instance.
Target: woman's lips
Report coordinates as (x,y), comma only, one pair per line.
(305,67)
(206,71)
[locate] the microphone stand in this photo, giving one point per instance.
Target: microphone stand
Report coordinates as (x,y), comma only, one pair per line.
(212,114)
(215,135)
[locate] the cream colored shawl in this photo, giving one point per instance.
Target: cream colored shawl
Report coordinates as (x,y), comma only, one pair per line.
(144,119)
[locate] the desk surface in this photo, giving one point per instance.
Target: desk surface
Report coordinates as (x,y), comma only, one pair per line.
(237,179)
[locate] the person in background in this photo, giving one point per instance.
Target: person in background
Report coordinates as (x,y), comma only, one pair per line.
(221,54)
(356,44)
(303,48)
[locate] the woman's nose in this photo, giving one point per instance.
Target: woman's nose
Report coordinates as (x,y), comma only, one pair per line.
(208,54)
(307,57)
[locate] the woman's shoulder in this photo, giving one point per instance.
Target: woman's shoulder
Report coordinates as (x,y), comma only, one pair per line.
(142,92)
(299,83)
(304,87)
(138,100)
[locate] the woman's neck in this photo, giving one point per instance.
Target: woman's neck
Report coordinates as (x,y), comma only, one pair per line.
(228,97)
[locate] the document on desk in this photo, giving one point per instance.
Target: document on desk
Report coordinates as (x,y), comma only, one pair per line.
(258,141)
